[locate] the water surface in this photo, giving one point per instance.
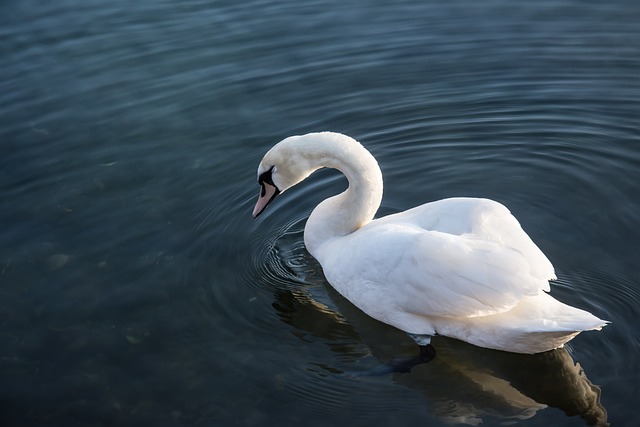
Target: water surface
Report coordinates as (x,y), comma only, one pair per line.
(136,289)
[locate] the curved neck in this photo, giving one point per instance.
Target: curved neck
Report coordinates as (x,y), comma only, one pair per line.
(343,214)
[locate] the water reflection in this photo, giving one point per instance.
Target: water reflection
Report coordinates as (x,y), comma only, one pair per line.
(480,383)
(464,384)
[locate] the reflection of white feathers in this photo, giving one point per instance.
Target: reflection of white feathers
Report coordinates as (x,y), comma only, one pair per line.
(458,267)
(500,387)
(519,406)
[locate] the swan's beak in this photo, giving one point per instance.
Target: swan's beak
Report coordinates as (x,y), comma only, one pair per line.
(268,192)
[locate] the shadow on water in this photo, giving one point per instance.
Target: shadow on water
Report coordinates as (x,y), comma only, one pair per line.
(464,384)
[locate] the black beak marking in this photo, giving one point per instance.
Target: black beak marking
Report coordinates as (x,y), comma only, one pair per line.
(266,177)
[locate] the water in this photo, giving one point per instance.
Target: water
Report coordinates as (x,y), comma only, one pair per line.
(136,289)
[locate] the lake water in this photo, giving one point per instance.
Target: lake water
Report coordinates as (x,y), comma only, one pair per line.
(136,288)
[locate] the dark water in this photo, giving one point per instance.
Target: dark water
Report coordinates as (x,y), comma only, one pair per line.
(136,289)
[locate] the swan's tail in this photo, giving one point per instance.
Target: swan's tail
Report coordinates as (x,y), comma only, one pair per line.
(535,325)
(555,316)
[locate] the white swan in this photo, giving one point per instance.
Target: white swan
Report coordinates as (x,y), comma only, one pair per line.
(460,267)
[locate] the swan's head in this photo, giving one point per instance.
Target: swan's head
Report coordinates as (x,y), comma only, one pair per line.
(286,164)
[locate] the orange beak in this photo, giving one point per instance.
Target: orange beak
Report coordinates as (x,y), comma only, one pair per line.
(268,192)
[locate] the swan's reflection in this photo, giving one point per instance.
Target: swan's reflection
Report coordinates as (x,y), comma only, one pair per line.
(464,384)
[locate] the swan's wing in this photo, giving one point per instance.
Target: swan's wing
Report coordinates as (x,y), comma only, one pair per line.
(461,276)
(484,219)
(402,268)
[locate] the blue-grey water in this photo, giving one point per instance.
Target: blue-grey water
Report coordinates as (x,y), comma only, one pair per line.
(135,287)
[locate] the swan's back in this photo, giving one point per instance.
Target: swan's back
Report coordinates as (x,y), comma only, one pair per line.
(452,259)
(481,219)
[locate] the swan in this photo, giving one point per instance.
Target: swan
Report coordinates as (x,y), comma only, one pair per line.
(459,267)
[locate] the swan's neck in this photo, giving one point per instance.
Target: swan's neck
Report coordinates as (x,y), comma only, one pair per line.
(343,214)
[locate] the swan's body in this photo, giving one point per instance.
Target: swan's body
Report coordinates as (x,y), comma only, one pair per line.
(460,267)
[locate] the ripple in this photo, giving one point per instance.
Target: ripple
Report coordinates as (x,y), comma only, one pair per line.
(609,295)
(130,139)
